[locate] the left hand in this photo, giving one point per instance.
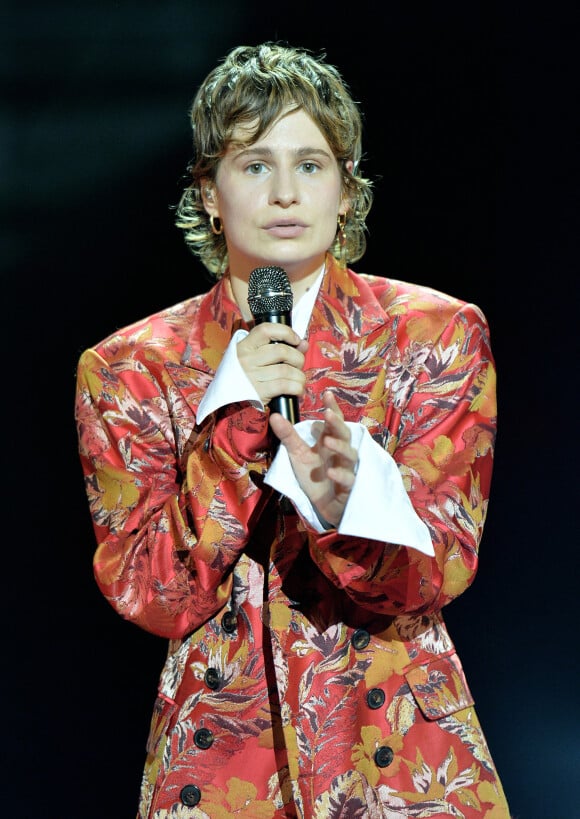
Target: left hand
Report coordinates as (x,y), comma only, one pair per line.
(326,470)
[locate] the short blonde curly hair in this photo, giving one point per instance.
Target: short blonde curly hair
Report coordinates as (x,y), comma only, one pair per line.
(255,84)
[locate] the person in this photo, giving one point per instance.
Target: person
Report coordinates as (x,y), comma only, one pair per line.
(297,570)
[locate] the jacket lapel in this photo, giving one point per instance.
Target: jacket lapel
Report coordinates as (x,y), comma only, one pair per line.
(213,320)
(350,334)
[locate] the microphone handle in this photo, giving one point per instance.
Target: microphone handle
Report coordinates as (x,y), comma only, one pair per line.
(286,405)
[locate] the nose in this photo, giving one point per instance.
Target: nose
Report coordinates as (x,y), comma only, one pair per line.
(284,188)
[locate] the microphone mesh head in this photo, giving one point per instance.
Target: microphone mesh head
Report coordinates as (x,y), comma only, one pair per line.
(269,291)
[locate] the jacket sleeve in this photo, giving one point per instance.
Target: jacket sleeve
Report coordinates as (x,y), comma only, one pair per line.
(443,444)
(169,525)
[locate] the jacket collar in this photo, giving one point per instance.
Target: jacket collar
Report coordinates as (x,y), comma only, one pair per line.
(345,309)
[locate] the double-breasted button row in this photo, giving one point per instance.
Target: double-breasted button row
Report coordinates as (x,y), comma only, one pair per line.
(203,738)
(190,795)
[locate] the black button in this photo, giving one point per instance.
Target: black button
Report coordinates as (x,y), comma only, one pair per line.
(384,756)
(375,698)
(203,738)
(212,678)
(206,445)
(229,622)
(360,639)
(190,795)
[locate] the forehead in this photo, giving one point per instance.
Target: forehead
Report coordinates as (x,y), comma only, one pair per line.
(293,127)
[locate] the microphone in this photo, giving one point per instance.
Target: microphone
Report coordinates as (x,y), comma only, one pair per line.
(270,299)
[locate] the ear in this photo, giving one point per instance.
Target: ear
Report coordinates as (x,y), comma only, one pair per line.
(344,206)
(209,197)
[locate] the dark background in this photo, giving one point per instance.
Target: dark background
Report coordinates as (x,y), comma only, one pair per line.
(471,133)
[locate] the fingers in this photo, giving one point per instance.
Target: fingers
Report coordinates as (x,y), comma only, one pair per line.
(273,368)
(258,348)
(342,476)
(284,430)
(334,425)
(267,331)
(335,438)
(279,380)
(280,354)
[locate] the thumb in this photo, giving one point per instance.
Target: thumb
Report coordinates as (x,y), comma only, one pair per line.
(282,428)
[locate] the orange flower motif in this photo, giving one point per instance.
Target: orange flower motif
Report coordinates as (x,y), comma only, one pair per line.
(238,801)
(362,755)
(217,339)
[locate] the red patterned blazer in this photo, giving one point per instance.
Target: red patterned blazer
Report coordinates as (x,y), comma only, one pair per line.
(307,674)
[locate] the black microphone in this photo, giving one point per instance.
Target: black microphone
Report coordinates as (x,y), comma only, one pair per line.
(270,299)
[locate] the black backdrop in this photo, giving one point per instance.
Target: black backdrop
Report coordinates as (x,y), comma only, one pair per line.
(470,132)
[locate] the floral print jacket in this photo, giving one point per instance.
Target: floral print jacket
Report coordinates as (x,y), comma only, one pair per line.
(307,675)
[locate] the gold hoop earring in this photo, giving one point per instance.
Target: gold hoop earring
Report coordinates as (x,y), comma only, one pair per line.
(218,229)
(341,219)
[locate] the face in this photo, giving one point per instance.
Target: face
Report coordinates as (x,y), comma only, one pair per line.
(279,198)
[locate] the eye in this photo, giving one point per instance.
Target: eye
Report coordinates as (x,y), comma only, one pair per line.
(309,167)
(255,168)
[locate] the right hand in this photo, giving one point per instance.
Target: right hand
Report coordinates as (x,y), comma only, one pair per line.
(273,369)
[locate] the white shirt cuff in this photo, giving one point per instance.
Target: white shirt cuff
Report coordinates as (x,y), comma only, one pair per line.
(229,384)
(378,507)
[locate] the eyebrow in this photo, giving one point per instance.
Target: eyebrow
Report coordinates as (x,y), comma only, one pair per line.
(267,152)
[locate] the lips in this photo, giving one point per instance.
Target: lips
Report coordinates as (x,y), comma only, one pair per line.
(285,223)
(286,230)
